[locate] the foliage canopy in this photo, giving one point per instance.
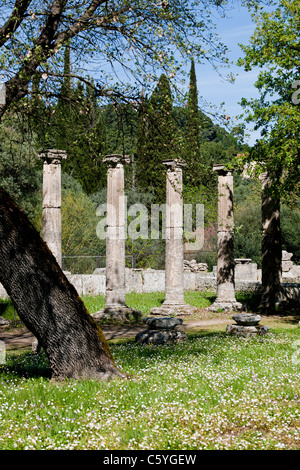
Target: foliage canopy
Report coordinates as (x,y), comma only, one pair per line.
(111,39)
(274,49)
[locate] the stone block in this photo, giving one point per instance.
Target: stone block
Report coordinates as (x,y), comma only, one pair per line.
(247,319)
(174,310)
(245,270)
(118,314)
(225,306)
(286,256)
(134,280)
(160,336)
(193,266)
(4,322)
(161,331)
(93,285)
(77,281)
(3,293)
(287,265)
(100,271)
(246,325)
(165,323)
(247,331)
(189,281)
(153,280)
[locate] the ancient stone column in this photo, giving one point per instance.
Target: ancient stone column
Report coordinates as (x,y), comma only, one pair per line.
(52,200)
(225,243)
(116,308)
(174,303)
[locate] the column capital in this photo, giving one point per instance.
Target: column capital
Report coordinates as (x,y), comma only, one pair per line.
(53,156)
(222,170)
(116,159)
(174,164)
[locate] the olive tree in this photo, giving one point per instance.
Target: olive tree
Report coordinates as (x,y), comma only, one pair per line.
(140,38)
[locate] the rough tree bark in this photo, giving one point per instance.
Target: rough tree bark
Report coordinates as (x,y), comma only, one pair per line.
(271,248)
(47,302)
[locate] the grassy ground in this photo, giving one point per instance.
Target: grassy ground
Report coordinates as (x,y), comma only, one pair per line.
(143,302)
(146,301)
(212,392)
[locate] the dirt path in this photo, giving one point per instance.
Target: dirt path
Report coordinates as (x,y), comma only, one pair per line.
(22,338)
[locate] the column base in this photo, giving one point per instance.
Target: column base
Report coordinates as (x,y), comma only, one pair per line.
(247,331)
(169,310)
(118,314)
(161,331)
(227,306)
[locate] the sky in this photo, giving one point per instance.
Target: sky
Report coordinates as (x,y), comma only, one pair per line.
(235,29)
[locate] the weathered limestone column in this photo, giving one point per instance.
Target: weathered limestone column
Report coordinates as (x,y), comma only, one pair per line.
(115,238)
(116,308)
(271,247)
(225,265)
(52,200)
(174,303)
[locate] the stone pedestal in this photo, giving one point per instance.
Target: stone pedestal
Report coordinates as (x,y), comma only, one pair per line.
(245,270)
(225,265)
(116,309)
(51,231)
(161,331)
(174,303)
(246,325)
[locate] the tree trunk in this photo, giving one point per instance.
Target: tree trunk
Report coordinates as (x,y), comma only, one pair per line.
(271,249)
(47,302)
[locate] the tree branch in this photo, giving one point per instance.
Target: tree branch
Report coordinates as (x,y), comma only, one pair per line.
(14,20)
(80,24)
(46,46)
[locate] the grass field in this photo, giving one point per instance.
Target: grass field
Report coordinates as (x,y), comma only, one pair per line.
(212,392)
(143,302)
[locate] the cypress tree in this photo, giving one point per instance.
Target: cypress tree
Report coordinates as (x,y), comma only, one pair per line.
(62,122)
(80,130)
(40,114)
(141,141)
(196,154)
(85,140)
(156,139)
(192,145)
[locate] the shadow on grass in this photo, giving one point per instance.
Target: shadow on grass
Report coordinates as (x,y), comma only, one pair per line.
(28,365)
(7,311)
(287,318)
(192,347)
(250,300)
(3,307)
(210,296)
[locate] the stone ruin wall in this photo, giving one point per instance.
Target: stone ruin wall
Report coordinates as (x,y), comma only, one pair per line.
(196,277)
